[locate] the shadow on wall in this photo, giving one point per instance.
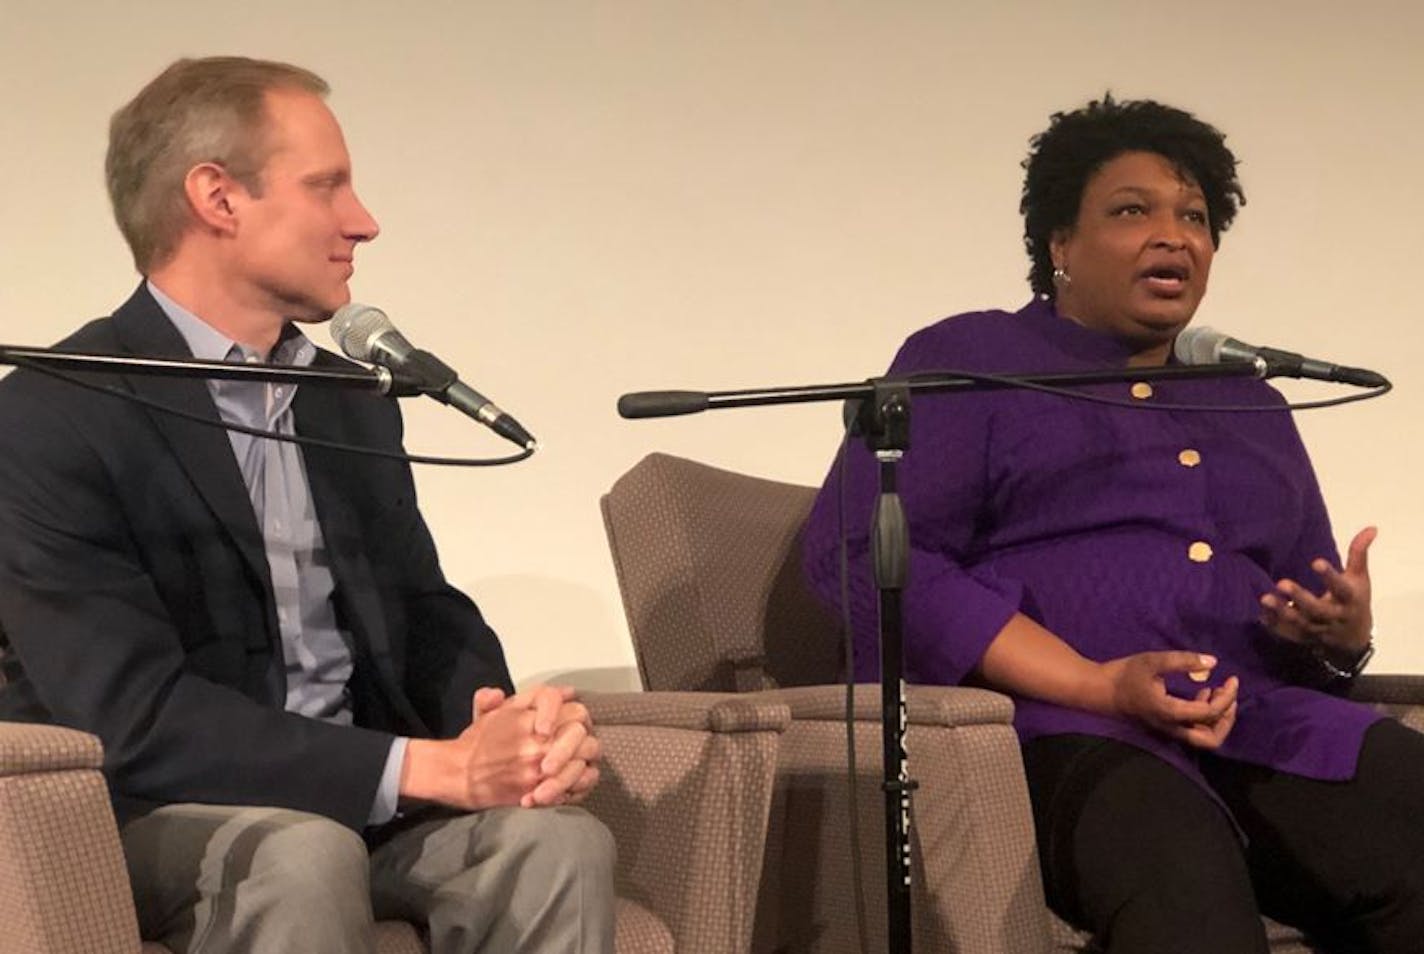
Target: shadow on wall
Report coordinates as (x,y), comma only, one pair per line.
(557,630)
(605,679)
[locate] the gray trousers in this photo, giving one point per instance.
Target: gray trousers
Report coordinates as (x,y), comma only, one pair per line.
(214,879)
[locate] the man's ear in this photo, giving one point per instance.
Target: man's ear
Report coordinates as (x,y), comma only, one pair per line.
(214,196)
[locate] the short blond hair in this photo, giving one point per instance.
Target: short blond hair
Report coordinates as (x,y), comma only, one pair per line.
(197,110)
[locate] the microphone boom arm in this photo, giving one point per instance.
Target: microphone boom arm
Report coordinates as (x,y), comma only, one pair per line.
(641,404)
(380,380)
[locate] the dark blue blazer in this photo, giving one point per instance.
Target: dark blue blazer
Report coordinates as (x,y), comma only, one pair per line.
(136,603)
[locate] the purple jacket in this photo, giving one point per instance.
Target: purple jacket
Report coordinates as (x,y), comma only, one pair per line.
(1120,530)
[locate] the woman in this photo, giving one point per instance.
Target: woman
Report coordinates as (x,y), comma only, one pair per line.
(1158,590)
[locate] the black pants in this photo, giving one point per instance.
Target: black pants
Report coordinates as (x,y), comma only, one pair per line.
(1140,855)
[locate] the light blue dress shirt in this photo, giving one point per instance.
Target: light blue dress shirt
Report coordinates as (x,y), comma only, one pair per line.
(316,651)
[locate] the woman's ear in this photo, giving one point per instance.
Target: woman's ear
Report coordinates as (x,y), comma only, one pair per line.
(1058,247)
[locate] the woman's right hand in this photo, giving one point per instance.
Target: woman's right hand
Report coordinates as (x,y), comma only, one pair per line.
(1139,690)
(1028,660)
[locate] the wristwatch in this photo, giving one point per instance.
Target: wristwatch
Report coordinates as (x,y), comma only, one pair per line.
(1336,672)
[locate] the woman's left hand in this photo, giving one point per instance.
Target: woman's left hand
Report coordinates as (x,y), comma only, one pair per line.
(1337,619)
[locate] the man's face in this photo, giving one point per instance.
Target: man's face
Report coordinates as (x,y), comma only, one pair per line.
(297,237)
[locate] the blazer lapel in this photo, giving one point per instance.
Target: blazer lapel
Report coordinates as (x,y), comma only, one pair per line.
(203,450)
(318,412)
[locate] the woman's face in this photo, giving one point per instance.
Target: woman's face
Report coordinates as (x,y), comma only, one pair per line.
(1139,253)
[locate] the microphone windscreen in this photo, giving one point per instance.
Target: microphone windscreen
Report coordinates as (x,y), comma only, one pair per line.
(355,328)
(1198,345)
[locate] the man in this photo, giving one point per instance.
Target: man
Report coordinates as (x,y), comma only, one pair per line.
(261,634)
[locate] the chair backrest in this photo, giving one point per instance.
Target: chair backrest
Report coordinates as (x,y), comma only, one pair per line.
(709,566)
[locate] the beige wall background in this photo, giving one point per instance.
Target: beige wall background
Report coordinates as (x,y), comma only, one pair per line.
(583,199)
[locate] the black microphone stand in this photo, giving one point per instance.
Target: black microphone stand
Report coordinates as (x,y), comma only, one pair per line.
(883,419)
(378,379)
(884,422)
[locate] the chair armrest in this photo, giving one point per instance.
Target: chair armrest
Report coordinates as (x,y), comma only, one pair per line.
(63,885)
(696,711)
(30,747)
(976,887)
(686,788)
(1400,696)
(946,706)
(1386,688)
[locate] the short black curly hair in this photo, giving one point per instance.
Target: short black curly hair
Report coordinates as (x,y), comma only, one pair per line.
(1077,144)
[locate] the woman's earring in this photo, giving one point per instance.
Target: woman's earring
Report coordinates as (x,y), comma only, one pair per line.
(1060,277)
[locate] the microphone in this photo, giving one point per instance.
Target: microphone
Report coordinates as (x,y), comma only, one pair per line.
(661,403)
(366,334)
(1203,345)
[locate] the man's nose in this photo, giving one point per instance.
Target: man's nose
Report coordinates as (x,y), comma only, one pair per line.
(360,224)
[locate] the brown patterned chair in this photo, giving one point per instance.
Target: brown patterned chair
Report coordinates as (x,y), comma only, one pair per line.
(686,788)
(708,563)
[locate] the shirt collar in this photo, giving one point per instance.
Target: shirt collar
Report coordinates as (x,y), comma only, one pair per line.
(208,344)
(1082,342)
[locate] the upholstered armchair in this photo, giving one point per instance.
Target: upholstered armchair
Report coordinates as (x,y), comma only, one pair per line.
(708,563)
(685,790)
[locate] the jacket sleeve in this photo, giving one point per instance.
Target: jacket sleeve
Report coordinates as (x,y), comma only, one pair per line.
(950,613)
(1316,538)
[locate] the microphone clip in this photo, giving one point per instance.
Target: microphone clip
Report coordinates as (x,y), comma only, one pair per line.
(396,384)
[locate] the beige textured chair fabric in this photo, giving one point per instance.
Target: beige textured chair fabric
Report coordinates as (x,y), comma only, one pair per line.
(709,567)
(976,881)
(63,885)
(686,790)
(638,931)
(398,937)
(708,563)
(1401,697)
